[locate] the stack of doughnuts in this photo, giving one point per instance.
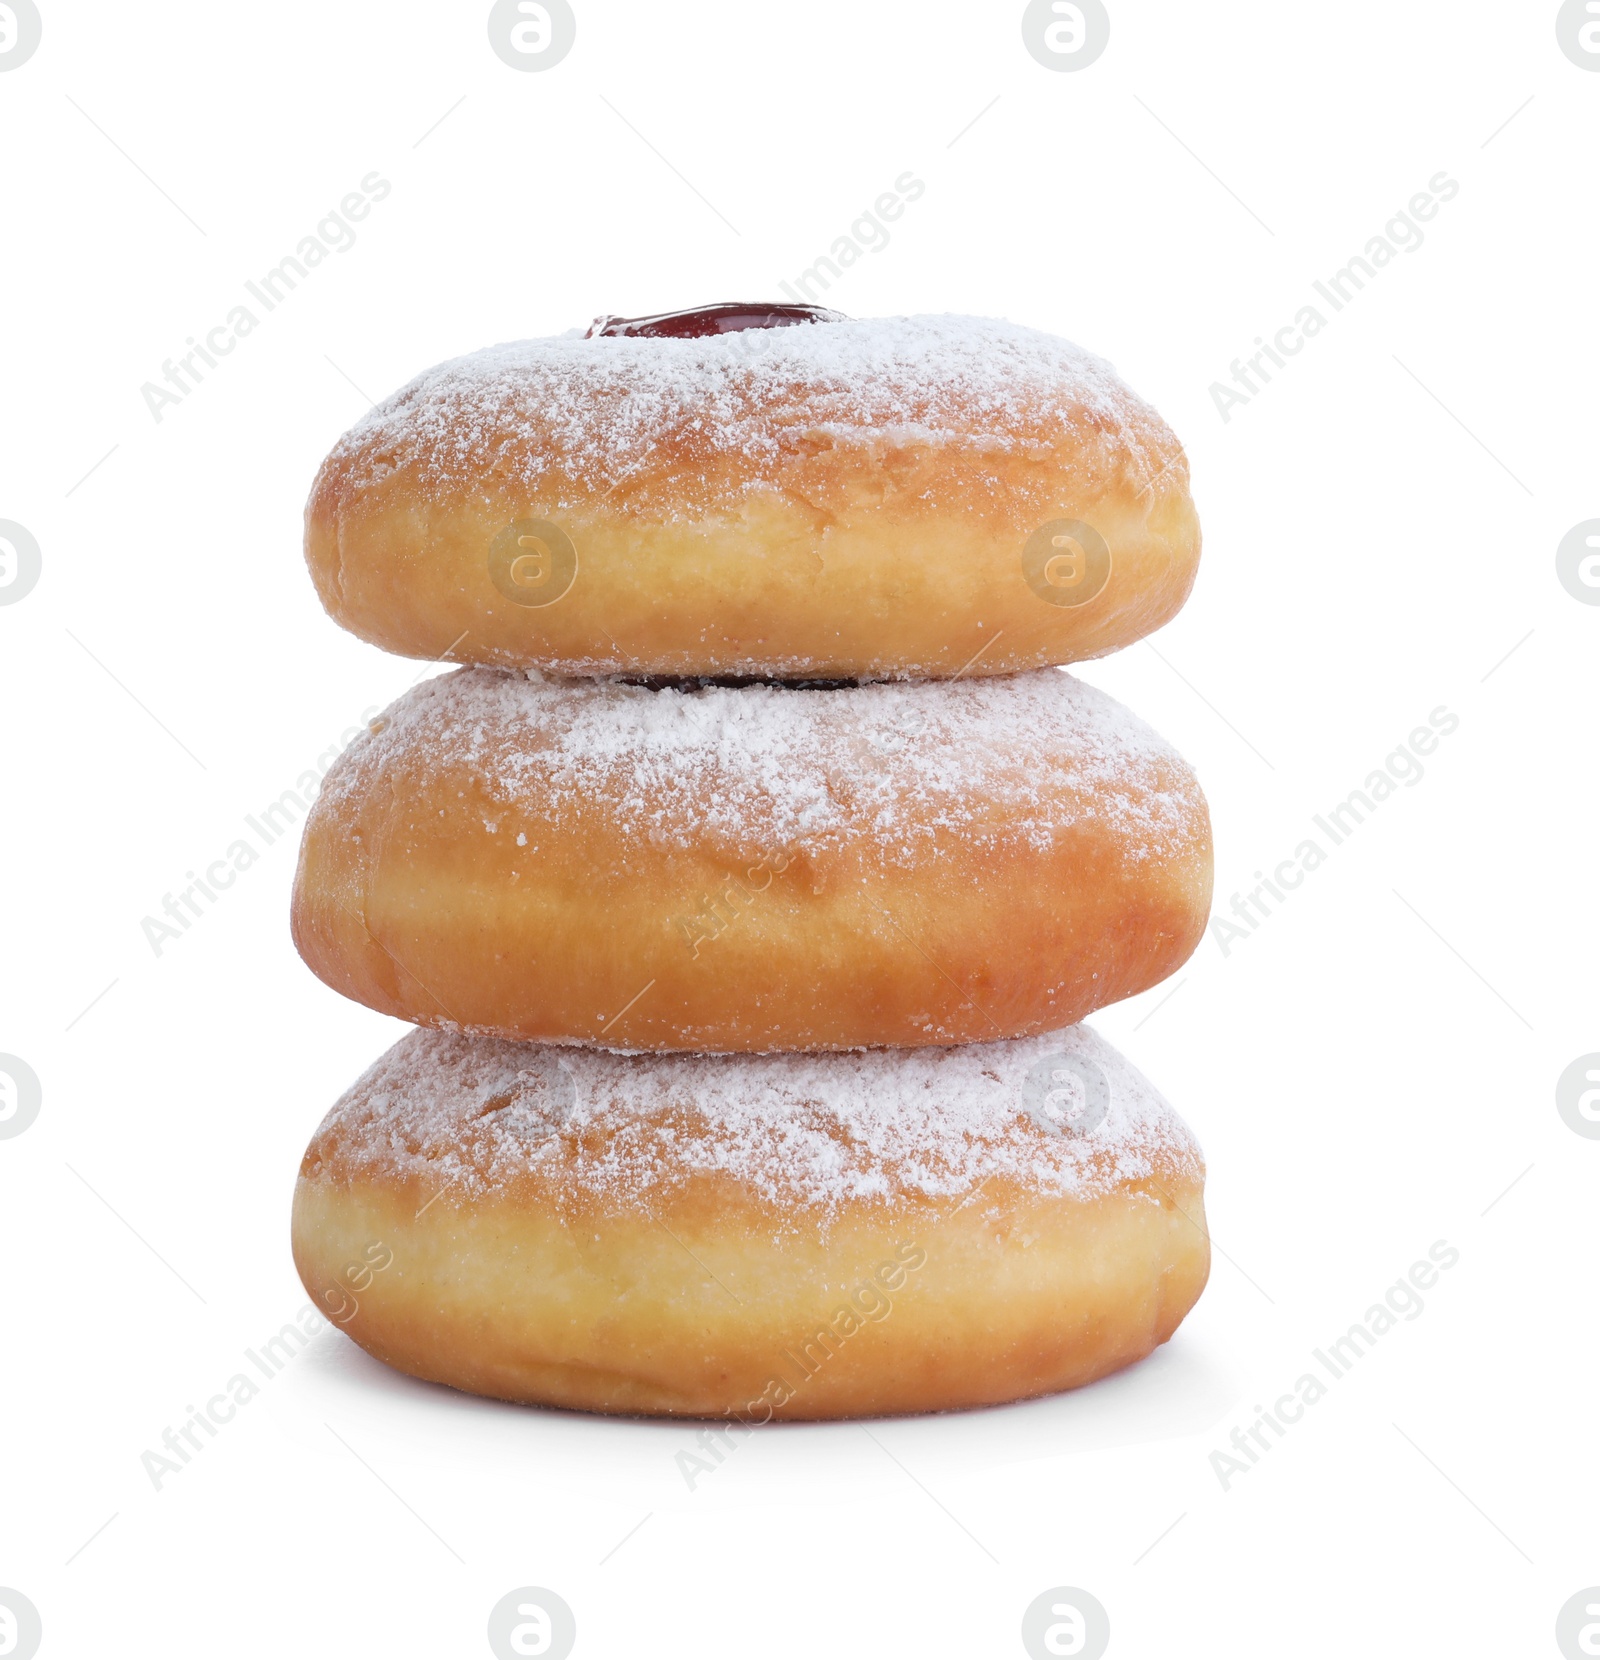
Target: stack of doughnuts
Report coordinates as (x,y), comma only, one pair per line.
(750,877)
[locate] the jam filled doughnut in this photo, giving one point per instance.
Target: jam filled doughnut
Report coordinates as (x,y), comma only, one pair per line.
(756,867)
(759,490)
(754,1237)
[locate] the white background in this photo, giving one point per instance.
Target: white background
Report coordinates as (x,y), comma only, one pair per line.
(1369,1071)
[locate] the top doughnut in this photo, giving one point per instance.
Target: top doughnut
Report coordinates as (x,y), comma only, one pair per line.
(793,496)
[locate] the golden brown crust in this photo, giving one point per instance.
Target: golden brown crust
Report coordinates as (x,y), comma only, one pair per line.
(616,1259)
(858,500)
(753,869)
(988,1305)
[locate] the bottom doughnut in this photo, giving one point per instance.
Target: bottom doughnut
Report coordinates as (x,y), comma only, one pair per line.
(754,1236)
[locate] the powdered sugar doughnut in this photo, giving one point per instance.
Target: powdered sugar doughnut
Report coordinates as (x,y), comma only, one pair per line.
(752,868)
(898,497)
(754,1236)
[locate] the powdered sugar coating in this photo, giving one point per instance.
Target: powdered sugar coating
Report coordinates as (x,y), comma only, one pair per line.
(568,419)
(755,771)
(810,1135)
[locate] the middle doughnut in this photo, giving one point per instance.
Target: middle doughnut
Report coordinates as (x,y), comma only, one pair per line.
(752,868)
